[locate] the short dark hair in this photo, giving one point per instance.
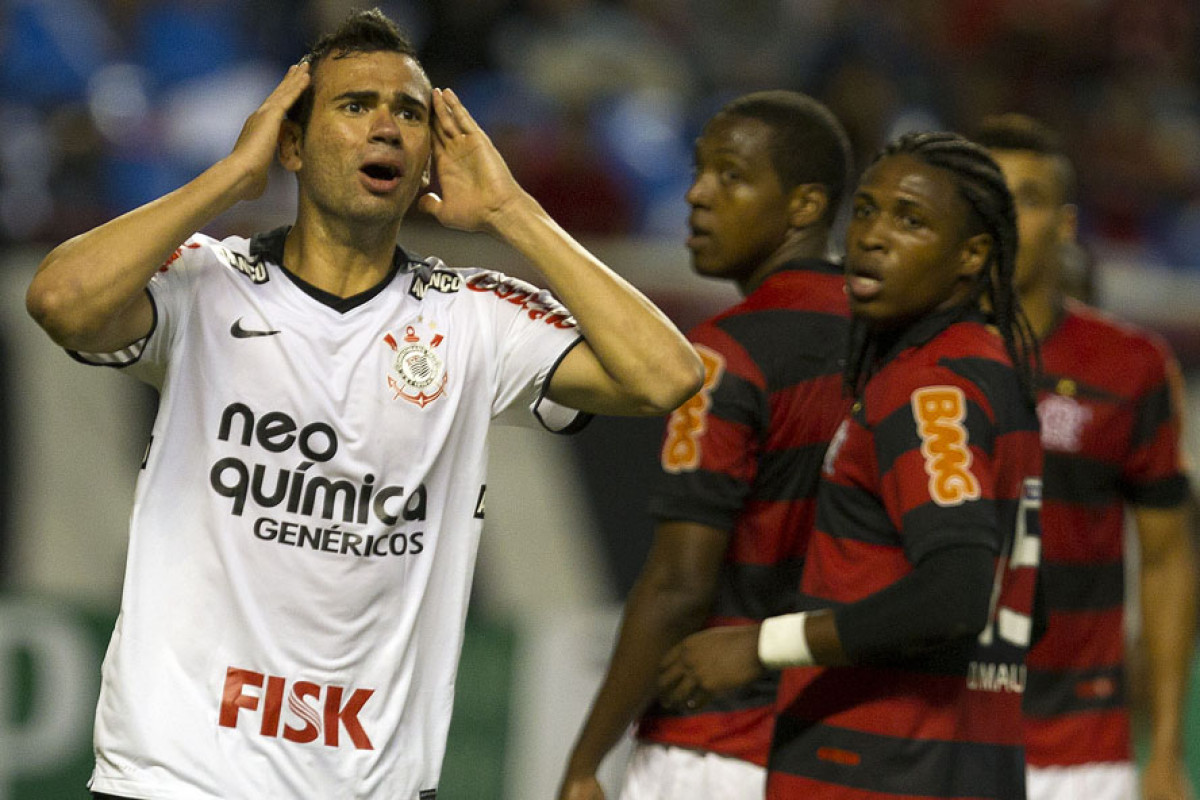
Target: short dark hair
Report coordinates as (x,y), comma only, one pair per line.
(990,204)
(369,31)
(1013,131)
(809,144)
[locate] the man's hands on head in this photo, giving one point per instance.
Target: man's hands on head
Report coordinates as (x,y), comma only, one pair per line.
(475,185)
(260,139)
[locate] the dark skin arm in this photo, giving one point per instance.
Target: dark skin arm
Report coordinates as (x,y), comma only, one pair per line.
(944,598)
(671,599)
(1168,605)
(719,660)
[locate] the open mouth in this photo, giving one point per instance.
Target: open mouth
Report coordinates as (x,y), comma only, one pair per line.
(380,172)
(863,284)
(380,177)
(697,235)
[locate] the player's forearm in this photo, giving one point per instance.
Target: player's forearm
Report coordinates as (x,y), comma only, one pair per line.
(1168,633)
(636,343)
(88,280)
(656,618)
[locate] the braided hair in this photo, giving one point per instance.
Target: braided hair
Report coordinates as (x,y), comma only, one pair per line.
(981,183)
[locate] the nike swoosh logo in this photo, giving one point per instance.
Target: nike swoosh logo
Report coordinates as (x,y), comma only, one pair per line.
(242,333)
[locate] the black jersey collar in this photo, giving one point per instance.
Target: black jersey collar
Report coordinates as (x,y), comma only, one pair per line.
(269,247)
(818,265)
(892,343)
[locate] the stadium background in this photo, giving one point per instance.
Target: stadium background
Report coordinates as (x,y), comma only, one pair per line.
(106,104)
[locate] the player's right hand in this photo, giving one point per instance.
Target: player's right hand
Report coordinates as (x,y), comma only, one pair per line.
(256,145)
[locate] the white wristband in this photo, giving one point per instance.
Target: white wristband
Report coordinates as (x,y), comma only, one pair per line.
(782,642)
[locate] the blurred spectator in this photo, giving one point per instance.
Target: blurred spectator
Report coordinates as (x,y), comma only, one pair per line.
(101,108)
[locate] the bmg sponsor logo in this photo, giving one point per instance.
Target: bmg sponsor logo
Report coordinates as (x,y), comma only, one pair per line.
(300,711)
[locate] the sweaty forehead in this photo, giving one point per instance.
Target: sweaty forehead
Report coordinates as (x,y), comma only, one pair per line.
(383,73)
(903,177)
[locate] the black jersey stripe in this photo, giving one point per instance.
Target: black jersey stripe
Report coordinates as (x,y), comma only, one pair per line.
(1051,693)
(758,591)
(814,353)
(791,474)
(885,764)
(1083,587)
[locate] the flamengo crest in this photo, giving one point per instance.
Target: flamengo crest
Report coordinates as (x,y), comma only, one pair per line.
(1064,420)
(418,373)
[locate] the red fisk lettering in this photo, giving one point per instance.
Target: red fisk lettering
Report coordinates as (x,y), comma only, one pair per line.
(323,718)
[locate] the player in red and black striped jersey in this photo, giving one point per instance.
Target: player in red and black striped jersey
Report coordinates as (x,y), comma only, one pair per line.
(741,459)
(919,580)
(1110,407)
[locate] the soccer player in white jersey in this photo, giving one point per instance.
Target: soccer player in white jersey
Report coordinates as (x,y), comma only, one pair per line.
(306,521)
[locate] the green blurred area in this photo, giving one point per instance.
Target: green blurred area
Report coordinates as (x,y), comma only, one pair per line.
(475,753)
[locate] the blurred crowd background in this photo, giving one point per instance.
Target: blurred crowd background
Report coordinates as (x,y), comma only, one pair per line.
(105,104)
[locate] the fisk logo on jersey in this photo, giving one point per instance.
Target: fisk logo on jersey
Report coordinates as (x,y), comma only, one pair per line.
(301,713)
(682,451)
(940,412)
(418,373)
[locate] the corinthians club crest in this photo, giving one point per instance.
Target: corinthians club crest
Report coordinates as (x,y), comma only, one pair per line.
(418,373)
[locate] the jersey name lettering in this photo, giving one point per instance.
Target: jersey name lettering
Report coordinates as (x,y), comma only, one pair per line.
(940,412)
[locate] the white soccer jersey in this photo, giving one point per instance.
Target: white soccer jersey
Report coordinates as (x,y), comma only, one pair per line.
(305,525)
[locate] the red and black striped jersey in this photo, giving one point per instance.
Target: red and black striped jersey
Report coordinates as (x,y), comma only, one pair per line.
(744,455)
(941,451)
(1109,402)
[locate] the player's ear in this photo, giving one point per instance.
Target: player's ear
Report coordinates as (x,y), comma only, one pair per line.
(427,175)
(974,255)
(1067,228)
(288,147)
(807,204)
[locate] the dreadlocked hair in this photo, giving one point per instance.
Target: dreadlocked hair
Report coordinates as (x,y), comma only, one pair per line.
(981,183)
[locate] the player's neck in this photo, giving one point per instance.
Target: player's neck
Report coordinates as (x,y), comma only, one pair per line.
(1042,305)
(342,263)
(798,245)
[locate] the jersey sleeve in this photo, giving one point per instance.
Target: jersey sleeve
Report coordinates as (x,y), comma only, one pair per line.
(170,290)
(1154,473)
(711,445)
(936,455)
(533,333)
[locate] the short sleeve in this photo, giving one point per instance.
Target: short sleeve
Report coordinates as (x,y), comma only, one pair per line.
(712,443)
(533,332)
(170,290)
(936,458)
(1154,474)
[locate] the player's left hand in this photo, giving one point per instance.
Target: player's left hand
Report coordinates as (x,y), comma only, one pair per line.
(706,664)
(474,185)
(1165,778)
